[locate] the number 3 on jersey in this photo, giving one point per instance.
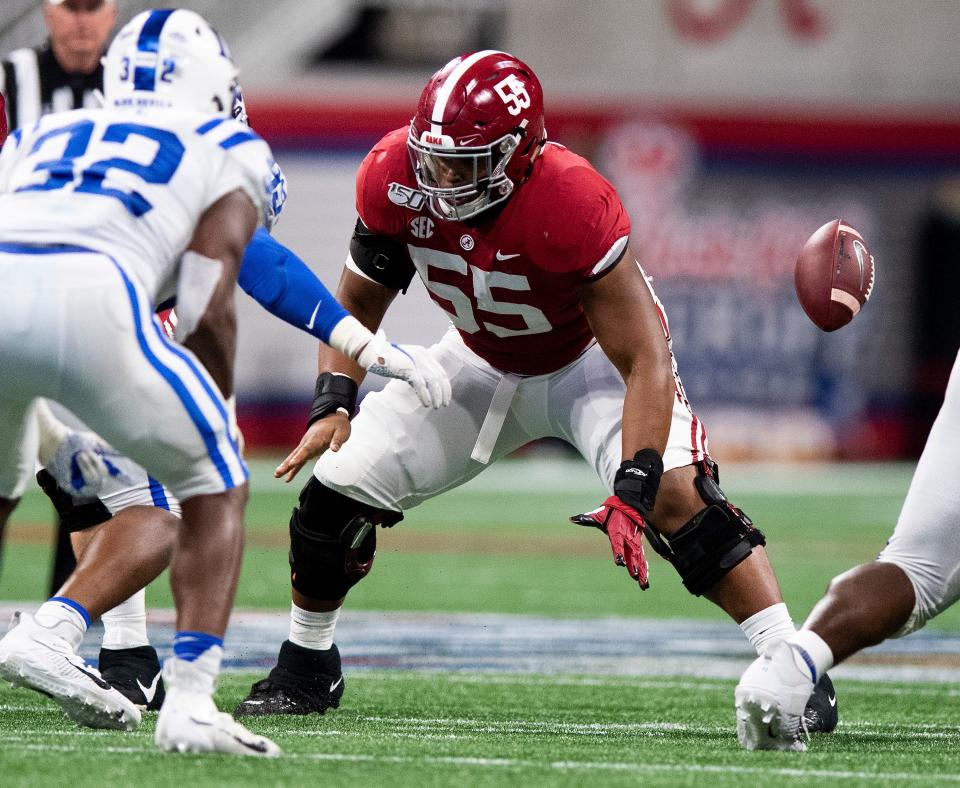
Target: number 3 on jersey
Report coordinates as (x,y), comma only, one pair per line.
(62,172)
(482,282)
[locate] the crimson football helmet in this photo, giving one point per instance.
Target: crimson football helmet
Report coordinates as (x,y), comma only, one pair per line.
(478,127)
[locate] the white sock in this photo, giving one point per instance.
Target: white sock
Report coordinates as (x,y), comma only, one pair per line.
(64,620)
(312,630)
(197,676)
(769,626)
(816,648)
(126,625)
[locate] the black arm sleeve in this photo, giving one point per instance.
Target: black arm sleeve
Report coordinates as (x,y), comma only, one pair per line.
(383,259)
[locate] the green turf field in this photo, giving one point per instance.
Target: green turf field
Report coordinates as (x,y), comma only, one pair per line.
(502,544)
(402,729)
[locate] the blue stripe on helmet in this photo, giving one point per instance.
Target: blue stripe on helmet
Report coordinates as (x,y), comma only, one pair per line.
(224,49)
(145,77)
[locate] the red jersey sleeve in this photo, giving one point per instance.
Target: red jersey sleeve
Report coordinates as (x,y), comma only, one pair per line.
(586,227)
(385,164)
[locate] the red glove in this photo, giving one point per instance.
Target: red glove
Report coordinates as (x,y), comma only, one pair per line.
(624,526)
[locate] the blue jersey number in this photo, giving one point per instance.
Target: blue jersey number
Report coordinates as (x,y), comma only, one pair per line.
(62,171)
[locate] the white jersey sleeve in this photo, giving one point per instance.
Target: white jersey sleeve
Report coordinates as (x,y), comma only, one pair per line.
(7,155)
(248,165)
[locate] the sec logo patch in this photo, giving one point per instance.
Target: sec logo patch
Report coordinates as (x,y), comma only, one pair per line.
(421,227)
(466,242)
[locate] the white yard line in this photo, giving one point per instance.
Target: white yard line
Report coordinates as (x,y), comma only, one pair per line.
(562,766)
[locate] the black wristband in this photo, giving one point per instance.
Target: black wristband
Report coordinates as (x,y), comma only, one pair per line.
(333,392)
(638,480)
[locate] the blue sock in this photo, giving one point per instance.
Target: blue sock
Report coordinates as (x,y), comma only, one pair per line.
(190,645)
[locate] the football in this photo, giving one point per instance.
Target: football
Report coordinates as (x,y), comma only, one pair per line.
(834,275)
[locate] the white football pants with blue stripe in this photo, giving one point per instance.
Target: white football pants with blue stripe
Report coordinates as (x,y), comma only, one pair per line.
(75,328)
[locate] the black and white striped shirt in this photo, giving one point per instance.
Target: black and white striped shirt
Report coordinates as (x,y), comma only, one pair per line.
(35,84)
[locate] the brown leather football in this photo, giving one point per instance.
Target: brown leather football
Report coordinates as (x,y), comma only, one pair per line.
(834,275)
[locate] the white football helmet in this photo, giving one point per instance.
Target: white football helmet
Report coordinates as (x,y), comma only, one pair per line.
(169,58)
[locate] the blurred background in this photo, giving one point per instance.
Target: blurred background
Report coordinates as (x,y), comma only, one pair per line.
(733,129)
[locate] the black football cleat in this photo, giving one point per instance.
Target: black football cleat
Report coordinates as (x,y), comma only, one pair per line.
(304,681)
(820,715)
(135,674)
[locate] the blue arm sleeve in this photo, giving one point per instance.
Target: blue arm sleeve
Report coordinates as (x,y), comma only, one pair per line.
(283,285)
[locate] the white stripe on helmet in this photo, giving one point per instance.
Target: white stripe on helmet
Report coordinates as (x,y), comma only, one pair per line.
(443,95)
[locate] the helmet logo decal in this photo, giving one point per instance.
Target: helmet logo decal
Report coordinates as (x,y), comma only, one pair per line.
(466,242)
(421,227)
(514,94)
(442,140)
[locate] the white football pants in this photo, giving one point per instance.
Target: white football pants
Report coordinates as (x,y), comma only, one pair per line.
(400,454)
(926,541)
(79,330)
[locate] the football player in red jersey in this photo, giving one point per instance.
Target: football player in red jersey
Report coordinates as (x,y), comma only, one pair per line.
(556,333)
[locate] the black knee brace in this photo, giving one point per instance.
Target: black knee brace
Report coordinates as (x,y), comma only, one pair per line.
(73,515)
(713,541)
(333,541)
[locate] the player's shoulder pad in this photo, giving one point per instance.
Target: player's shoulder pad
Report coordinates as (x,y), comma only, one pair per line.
(574,182)
(386,188)
(586,212)
(244,146)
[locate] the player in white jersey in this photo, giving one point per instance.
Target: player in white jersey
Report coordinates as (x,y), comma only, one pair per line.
(915,577)
(101,212)
(135,548)
(153,400)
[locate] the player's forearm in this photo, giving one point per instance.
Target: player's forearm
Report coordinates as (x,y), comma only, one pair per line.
(367,303)
(647,410)
(214,343)
(285,286)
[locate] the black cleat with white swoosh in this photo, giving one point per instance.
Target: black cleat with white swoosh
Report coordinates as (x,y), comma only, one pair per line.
(304,681)
(134,672)
(820,715)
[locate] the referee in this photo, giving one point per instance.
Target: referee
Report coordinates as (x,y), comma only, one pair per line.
(62,73)
(65,71)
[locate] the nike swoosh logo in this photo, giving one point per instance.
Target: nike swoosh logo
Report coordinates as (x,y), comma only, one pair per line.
(313,317)
(149,692)
(336,684)
(858,251)
(256,746)
(832,700)
(506,256)
(93,677)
